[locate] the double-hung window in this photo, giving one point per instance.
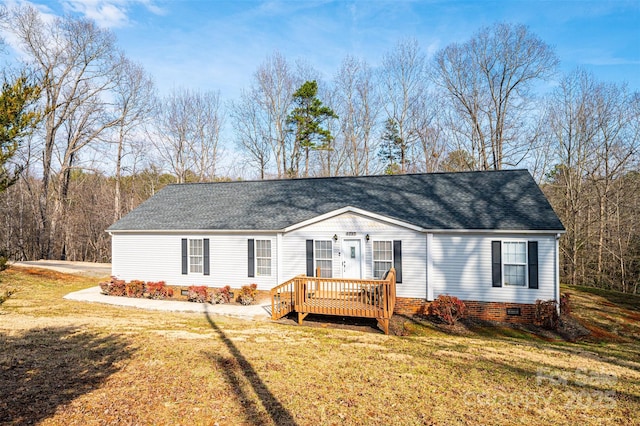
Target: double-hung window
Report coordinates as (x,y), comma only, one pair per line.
(324,257)
(514,261)
(382,258)
(195,256)
(263,257)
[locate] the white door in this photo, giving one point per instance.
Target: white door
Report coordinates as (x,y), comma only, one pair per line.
(351,259)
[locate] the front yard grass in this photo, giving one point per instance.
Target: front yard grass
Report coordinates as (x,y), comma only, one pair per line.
(67,362)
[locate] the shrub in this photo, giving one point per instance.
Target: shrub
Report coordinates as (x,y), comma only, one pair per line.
(117,288)
(565,304)
(104,287)
(197,294)
(3,262)
(221,295)
(546,314)
(113,287)
(247,294)
(135,288)
(448,308)
(158,290)
(7,294)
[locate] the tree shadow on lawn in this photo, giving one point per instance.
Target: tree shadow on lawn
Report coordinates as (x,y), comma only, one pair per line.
(582,388)
(43,369)
(234,369)
(618,299)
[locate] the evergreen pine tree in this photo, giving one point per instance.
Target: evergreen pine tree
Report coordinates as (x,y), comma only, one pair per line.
(17,119)
(306,120)
(390,148)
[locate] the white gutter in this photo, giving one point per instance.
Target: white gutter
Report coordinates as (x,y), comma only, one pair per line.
(192,231)
(430,267)
(275,231)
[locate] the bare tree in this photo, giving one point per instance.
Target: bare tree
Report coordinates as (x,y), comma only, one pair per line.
(251,131)
(187,134)
(570,127)
(75,62)
(429,134)
(403,77)
(488,82)
(260,115)
(331,159)
(133,103)
(273,88)
(357,103)
(593,127)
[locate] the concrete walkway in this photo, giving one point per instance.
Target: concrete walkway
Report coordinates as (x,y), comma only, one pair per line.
(251,312)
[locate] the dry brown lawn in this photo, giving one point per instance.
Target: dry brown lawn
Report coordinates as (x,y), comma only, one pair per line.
(67,362)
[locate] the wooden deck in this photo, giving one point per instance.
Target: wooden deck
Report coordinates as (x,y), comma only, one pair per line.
(336,296)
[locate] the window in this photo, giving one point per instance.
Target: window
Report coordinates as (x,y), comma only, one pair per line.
(382,258)
(324,257)
(195,256)
(263,257)
(514,261)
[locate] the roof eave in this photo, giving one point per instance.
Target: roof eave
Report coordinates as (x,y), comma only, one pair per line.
(193,231)
(276,231)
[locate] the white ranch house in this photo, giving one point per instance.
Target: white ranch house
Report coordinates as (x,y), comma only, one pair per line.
(489,238)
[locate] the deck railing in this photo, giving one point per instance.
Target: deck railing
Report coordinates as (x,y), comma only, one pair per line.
(283,297)
(336,296)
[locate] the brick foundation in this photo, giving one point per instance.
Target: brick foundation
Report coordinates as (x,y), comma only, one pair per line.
(487,311)
(409,306)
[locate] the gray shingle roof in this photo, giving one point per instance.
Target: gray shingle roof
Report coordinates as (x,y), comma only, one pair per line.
(496,200)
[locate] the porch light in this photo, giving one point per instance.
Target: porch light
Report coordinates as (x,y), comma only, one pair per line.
(367,237)
(335,237)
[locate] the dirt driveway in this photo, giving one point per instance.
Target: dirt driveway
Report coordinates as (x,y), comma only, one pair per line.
(81,268)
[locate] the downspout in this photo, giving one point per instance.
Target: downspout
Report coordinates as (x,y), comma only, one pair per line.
(278,258)
(111,235)
(429,266)
(557,273)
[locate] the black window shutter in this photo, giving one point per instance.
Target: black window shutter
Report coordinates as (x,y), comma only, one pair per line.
(251,259)
(397,259)
(185,257)
(496,263)
(310,271)
(533,264)
(205,252)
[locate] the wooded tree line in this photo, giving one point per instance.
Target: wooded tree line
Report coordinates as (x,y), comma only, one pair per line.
(97,138)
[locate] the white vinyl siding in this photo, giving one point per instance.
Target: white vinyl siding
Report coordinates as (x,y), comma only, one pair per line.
(514,263)
(382,258)
(461,263)
(157,257)
(414,249)
(323,255)
(195,256)
(462,267)
(263,257)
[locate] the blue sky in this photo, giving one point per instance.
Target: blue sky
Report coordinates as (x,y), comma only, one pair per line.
(217,45)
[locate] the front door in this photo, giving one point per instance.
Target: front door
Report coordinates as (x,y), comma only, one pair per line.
(351,259)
